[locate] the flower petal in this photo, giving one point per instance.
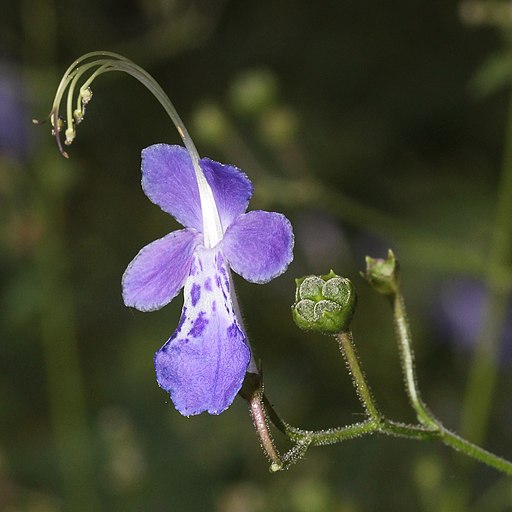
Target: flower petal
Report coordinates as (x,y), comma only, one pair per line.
(231,188)
(204,362)
(156,275)
(259,245)
(168,179)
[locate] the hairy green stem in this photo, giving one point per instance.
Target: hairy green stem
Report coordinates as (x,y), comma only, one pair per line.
(429,427)
(377,425)
(346,342)
(471,450)
(387,427)
(404,338)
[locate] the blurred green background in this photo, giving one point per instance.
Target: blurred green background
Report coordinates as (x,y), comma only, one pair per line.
(370,125)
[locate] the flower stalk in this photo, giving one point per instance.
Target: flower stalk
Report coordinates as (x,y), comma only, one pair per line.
(261,424)
(346,342)
(425,417)
(404,339)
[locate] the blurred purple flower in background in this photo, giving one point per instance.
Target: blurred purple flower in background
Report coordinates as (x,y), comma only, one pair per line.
(461,307)
(204,362)
(322,242)
(14,126)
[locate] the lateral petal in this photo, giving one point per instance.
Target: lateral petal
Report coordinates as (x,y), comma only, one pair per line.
(156,275)
(259,245)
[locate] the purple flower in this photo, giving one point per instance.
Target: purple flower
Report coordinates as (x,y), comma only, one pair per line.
(204,362)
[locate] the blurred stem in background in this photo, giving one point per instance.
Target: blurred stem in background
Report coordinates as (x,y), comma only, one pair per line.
(56,308)
(484,371)
(483,374)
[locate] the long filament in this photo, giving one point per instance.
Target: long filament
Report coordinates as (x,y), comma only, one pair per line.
(108,61)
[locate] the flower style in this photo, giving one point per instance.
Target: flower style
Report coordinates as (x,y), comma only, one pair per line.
(204,362)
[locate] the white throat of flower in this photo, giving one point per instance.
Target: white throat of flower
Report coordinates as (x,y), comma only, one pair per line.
(212,228)
(95,64)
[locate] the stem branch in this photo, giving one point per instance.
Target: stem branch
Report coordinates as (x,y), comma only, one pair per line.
(346,342)
(404,338)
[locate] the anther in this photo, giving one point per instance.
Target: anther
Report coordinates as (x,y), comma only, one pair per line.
(86,95)
(60,125)
(78,115)
(70,136)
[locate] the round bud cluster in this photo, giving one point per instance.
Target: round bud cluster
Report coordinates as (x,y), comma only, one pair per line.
(324,303)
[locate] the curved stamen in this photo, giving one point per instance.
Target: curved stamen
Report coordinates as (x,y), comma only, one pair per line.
(108,61)
(69,104)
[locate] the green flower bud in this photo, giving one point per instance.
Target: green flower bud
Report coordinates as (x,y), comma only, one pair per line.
(383,274)
(324,303)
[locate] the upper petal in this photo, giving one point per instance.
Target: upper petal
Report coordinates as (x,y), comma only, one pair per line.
(156,275)
(169,180)
(231,188)
(259,245)
(204,362)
